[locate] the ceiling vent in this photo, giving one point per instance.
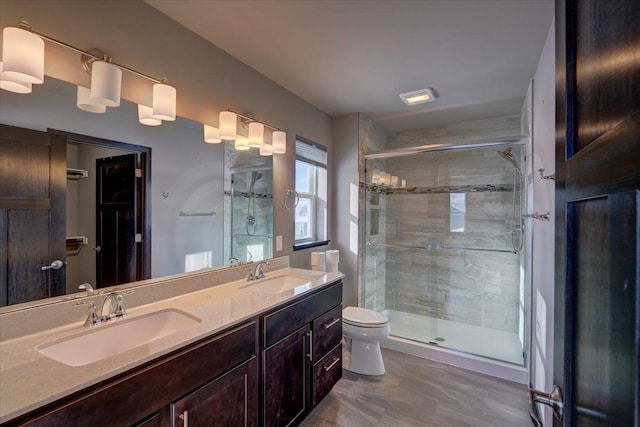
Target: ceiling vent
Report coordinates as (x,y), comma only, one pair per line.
(418,96)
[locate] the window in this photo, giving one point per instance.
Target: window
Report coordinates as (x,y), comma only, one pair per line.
(311,186)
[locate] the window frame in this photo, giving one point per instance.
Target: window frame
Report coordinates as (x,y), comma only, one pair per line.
(313,166)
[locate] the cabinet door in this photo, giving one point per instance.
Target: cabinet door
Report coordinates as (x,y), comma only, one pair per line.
(231,400)
(285,373)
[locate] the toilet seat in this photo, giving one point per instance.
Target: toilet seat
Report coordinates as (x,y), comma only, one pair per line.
(363,317)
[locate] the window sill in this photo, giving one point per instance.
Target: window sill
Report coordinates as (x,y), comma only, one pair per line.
(307,245)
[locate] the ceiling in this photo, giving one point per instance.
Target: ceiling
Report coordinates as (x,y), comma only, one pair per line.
(359,55)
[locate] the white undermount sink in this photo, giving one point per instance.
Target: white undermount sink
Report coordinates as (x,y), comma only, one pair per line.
(279,284)
(107,340)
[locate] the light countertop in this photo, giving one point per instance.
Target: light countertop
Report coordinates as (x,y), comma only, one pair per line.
(29,380)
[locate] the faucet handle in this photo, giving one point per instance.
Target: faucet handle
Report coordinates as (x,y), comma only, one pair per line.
(92,317)
(120,311)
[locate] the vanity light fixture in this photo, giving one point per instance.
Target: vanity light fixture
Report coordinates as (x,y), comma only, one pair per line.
(228,128)
(279,142)
(23,62)
(146,117)
(256,134)
(241,143)
(418,96)
(106,81)
(228,125)
(84,101)
(13,85)
(164,101)
(212,135)
(266,149)
(23,54)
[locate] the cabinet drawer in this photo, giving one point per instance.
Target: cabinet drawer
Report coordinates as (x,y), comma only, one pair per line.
(326,374)
(286,320)
(327,332)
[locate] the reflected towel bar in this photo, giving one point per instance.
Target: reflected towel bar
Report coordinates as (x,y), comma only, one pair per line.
(210,213)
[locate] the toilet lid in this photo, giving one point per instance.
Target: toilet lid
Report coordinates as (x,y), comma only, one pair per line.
(363,316)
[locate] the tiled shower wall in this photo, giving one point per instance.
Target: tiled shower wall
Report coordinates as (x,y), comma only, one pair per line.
(470,286)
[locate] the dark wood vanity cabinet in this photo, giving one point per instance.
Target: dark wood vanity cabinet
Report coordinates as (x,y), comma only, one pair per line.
(301,355)
(227,401)
(285,367)
(269,371)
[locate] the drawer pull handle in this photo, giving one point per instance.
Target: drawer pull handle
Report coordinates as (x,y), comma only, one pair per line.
(334,363)
(185,418)
(310,354)
(330,324)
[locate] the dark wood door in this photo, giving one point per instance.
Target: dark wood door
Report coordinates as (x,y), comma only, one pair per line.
(231,400)
(596,357)
(32,214)
(116,220)
(285,379)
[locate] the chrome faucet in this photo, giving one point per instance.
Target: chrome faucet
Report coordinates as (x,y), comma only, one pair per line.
(115,309)
(110,299)
(257,272)
(87,287)
(234,261)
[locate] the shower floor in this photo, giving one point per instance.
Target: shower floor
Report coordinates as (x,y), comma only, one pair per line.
(500,345)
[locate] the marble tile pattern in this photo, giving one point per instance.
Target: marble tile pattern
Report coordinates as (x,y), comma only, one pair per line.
(470,286)
(371,289)
(418,392)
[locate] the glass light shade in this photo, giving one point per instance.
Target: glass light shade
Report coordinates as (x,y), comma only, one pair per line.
(23,55)
(146,117)
(212,135)
(242,143)
(279,141)
(266,150)
(164,102)
(394,181)
(256,134)
(375,176)
(13,85)
(106,80)
(228,125)
(84,101)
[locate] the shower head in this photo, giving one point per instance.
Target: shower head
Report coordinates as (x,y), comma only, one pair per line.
(506,154)
(255,176)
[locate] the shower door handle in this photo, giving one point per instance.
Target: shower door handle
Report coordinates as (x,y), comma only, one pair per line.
(553,399)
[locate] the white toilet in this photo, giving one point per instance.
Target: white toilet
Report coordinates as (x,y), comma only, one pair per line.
(364,328)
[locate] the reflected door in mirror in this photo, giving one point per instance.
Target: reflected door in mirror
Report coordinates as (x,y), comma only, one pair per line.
(117,216)
(32,215)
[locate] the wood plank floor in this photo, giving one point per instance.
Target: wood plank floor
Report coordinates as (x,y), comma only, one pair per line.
(419,392)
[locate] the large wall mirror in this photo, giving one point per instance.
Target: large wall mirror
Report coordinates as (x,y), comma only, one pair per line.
(196,205)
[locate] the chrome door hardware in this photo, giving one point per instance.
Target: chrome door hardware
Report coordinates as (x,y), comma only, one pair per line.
(543,217)
(543,176)
(55,265)
(553,399)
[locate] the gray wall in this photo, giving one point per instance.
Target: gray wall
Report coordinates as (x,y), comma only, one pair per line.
(345,160)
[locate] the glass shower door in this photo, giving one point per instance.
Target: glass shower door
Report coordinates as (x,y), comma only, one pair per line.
(442,254)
